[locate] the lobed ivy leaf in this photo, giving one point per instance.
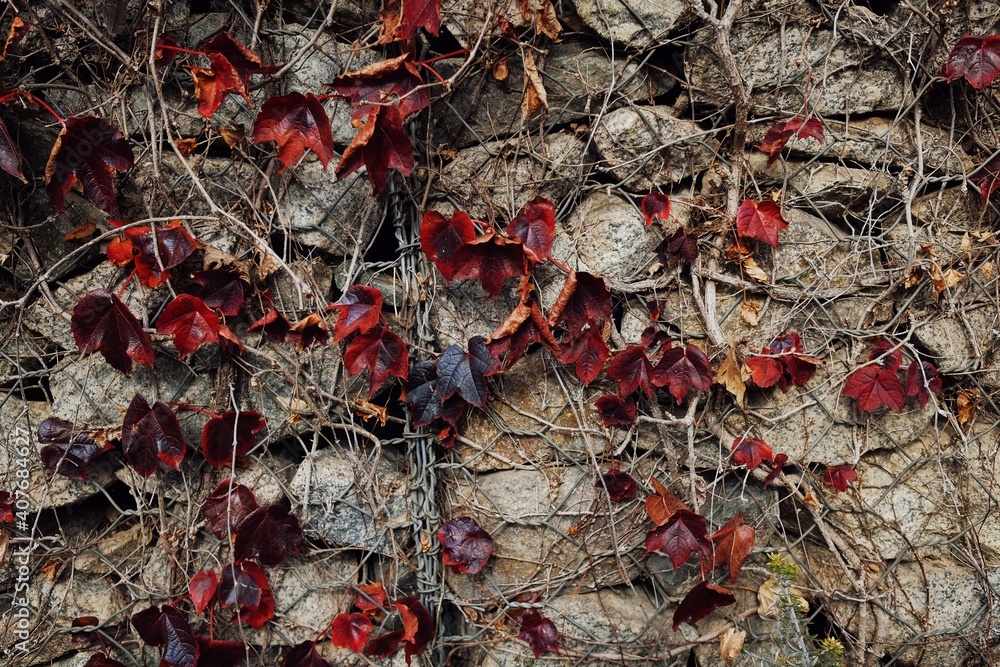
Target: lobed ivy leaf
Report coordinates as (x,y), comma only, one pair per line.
(840,476)
(779,134)
(621,486)
(678,248)
(465,546)
(274,324)
(67,451)
(154,251)
(295,122)
(102,323)
(382,144)
(684,533)
(751,452)
(86,151)
(150,435)
(732,545)
(615,410)
(230,435)
(464,373)
(227,506)
(524,326)
(683,370)
(975,57)
(588,351)
(167,628)
(440,238)
(701,601)
(351,631)
(309,331)
(359,309)
(655,205)
(190,322)
(492,259)
(583,302)
(535,228)
(663,504)
(632,370)
(539,632)
(268,535)
(921,379)
(418,626)
(232,65)
(401,18)
(244,586)
(221,289)
(380,351)
(390,81)
(760,220)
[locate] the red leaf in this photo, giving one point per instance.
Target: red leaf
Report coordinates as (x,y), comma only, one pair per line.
(733,544)
(382,352)
(86,151)
(651,337)
(615,410)
(102,323)
(230,435)
(631,370)
(621,486)
(588,351)
(583,301)
(295,122)
(678,248)
(268,535)
(165,51)
(10,157)
(222,289)
(219,653)
(465,545)
(876,385)
(777,463)
(151,435)
(765,371)
(232,65)
(682,369)
(760,220)
(525,325)
(921,379)
(377,593)
(780,133)
(358,310)
(701,601)
(418,626)
(202,587)
(382,144)
(310,330)
(244,585)
(464,373)
(441,238)
(751,452)
(155,252)
(190,322)
(6,507)
(655,205)
(539,632)
(167,628)
(385,645)
(840,476)
(390,81)
(492,259)
(663,504)
(274,324)
(535,227)
(227,506)
(351,631)
(987,177)
(305,655)
(67,452)
(975,57)
(401,22)
(682,534)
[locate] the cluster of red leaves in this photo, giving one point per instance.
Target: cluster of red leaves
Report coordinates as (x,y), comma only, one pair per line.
(231,66)
(782,363)
(154,251)
(352,629)
(374,347)
(86,151)
(265,534)
(779,134)
(166,627)
(465,546)
(877,383)
(976,58)
(752,452)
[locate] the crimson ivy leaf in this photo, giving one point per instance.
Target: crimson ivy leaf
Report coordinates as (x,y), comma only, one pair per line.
(351,631)
(677,248)
(777,463)
(779,134)
(583,302)
(102,323)
(615,410)
(765,371)
(682,370)
(663,504)
(190,322)
(268,534)
(464,373)
(701,601)
(655,205)
(371,600)
(230,435)
(683,534)
(151,435)
(385,645)
(535,228)
(840,476)
(86,151)
(751,452)
(921,379)
(875,386)
(631,369)
(492,259)
(310,330)
(588,351)
(382,144)
(168,628)
(232,64)
(465,545)
(525,325)
(440,238)
(540,633)
(244,585)
(732,545)
(165,51)
(760,220)
(358,310)
(222,289)
(418,626)
(202,588)
(422,395)
(305,655)
(393,80)
(295,122)
(975,57)
(67,451)
(621,486)
(401,18)
(227,506)
(382,352)
(274,324)
(154,251)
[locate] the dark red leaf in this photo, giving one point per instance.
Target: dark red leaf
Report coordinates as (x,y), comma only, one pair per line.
(168,628)
(202,588)
(583,301)
(987,177)
(651,337)
(492,259)
(358,310)
(655,205)
(424,399)
(631,369)
(751,452)
(588,351)
(977,58)
(230,435)
(681,370)
(268,534)
(151,435)
(86,151)
(380,351)
(766,371)
(382,144)
(441,238)
(10,157)
(232,64)
(371,600)
(683,534)
(155,251)
(677,248)
(391,81)
(887,355)
(67,452)
(227,506)
(615,410)
(535,228)
(781,132)
(310,330)
(840,476)
(101,660)
(465,545)
(190,322)
(539,632)
(732,545)
(401,18)
(219,653)
(663,504)
(6,507)
(274,324)
(464,373)
(90,637)
(621,486)
(102,323)
(701,601)
(222,289)
(874,387)
(305,655)
(385,645)
(418,626)
(244,585)
(351,631)
(921,379)
(760,220)
(165,51)
(295,122)
(525,325)
(777,463)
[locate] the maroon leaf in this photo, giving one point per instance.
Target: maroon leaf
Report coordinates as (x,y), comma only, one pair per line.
(6,507)
(840,476)
(583,301)
(295,122)
(151,435)
(401,18)
(358,310)
(232,64)
(681,370)
(305,655)
(202,588)
(167,628)
(86,151)
(751,452)
(268,534)
(227,506)
(382,352)
(535,228)
(760,220)
(621,486)
(274,324)
(732,545)
(165,51)
(418,626)
(781,132)
(230,435)
(372,600)
(539,632)
(766,371)
(222,289)
(876,384)
(465,545)
(351,631)
(683,534)
(67,452)
(615,410)
(977,58)
(102,323)
(525,325)
(921,379)
(677,248)
(492,259)
(244,585)
(987,177)
(382,144)
(219,653)
(391,81)
(776,465)
(631,370)
(154,251)
(588,351)
(424,399)
(701,601)
(190,322)
(441,238)
(655,205)
(385,645)
(464,373)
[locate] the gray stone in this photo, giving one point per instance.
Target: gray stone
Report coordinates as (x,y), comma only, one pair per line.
(462,310)
(352,501)
(611,237)
(644,147)
(636,23)
(955,343)
(466,19)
